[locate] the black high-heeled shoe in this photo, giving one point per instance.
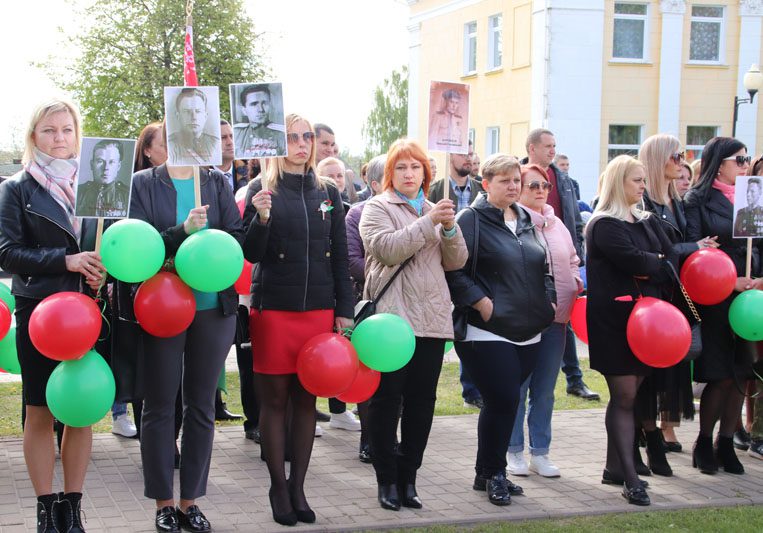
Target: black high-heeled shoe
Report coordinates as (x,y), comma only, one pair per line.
(636,495)
(702,456)
(608,478)
(409,498)
(727,457)
(655,453)
(388,496)
(285,519)
(303,515)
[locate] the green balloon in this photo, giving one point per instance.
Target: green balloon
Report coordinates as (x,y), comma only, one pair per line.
(9,358)
(80,392)
(448,346)
(7,297)
(746,315)
(132,250)
(209,260)
(384,342)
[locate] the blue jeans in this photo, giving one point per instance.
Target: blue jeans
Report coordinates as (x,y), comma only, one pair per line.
(469,390)
(541,385)
(570,361)
(118,409)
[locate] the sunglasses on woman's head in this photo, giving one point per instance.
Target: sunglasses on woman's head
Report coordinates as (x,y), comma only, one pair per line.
(741,160)
(293,138)
(678,157)
(537,185)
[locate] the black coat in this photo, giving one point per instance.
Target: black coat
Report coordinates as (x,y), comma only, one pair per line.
(511,270)
(300,255)
(723,353)
(674,224)
(619,251)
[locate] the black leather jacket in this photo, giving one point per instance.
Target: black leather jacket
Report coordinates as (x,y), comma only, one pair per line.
(154,200)
(35,238)
(511,270)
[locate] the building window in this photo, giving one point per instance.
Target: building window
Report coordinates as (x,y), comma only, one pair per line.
(630,31)
(696,139)
(623,140)
(470,48)
(492,139)
(706,34)
(495,42)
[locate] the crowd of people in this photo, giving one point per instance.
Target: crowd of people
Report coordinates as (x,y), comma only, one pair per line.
(489,257)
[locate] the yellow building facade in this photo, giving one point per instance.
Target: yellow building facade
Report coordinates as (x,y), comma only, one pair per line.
(603,75)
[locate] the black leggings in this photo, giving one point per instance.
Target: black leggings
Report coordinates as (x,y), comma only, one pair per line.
(498,370)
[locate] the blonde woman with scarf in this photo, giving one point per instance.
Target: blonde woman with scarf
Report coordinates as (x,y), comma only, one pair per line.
(40,247)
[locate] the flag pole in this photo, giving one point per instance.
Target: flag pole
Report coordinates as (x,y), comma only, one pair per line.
(190,80)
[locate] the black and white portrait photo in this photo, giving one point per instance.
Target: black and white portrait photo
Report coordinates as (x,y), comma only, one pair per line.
(193,125)
(103,182)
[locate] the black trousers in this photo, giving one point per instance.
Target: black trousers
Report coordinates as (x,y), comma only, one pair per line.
(498,369)
(246,370)
(415,387)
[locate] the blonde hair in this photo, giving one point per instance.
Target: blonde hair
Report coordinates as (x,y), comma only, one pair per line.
(612,200)
(45,109)
(274,170)
(499,164)
(654,155)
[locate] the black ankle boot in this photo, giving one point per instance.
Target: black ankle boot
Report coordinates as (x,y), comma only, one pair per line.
(703,457)
(727,457)
(45,518)
(655,453)
(68,512)
(638,462)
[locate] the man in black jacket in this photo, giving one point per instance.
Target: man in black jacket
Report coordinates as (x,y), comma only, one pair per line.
(541,149)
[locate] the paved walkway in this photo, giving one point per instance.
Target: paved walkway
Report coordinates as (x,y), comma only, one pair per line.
(343,492)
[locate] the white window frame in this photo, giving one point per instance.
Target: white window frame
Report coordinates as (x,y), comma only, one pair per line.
(490,132)
(721,38)
(494,61)
(469,39)
(698,147)
(635,147)
(472,137)
(645,51)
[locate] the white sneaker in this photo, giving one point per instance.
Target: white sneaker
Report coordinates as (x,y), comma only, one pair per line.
(542,465)
(318,431)
(344,420)
(517,464)
(122,425)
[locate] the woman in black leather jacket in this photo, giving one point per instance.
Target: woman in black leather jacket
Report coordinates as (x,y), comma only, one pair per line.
(40,247)
(509,302)
(726,359)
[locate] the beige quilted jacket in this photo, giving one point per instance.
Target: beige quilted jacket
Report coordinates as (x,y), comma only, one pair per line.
(391,232)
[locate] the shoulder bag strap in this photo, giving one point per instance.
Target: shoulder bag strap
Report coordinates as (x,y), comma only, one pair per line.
(693,309)
(476,243)
(389,282)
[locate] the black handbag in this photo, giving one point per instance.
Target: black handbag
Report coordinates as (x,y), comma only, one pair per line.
(461,312)
(695,348)
(367,308)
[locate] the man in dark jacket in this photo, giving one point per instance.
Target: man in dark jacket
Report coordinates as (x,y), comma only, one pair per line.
(541,149)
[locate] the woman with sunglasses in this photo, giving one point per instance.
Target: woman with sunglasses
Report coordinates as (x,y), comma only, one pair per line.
(666,391)
(568,283)
(726,359)
(300,288)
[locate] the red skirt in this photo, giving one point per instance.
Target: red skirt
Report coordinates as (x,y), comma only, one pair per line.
(277,337)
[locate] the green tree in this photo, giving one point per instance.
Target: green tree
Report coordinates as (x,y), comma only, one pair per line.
(388,120)
(131,50)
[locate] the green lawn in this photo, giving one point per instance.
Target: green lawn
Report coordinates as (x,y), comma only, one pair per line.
(449,400)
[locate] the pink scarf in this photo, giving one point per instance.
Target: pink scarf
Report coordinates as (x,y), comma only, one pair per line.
(726,189)
(57,177)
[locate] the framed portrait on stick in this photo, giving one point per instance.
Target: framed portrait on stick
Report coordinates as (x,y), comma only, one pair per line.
(259,128)
(449,117)
(193,126)
(104,180)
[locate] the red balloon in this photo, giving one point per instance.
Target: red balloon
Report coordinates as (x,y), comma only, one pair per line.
(578,318)
(327,365)
(709,276)
(241,204)
(164,305)
(364,386)
(5,319)
(65,325)
(658,333)
(244,280)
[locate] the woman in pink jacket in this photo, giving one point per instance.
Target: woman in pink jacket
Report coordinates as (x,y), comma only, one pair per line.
(564,263)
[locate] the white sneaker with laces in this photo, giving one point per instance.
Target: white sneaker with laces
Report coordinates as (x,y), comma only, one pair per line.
(345,420)
(542,465)
(122,425)
(517,465)
(318,431)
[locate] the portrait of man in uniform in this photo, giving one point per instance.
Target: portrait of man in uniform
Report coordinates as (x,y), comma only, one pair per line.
(193,125)
(448,117)
(258,116)
(103,187)
(748,221)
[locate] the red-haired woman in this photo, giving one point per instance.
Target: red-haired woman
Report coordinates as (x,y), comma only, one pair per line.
(398,224)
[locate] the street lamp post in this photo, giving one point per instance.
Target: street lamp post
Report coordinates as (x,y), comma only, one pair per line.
(753,82)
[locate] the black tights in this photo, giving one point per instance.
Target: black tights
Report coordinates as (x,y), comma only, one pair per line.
(620,423)
(277,392)
(721,400)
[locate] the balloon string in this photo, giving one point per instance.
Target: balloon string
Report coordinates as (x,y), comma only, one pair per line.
(345,332)
(102,310)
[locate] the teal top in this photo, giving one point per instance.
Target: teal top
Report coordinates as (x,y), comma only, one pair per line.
(186,202)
